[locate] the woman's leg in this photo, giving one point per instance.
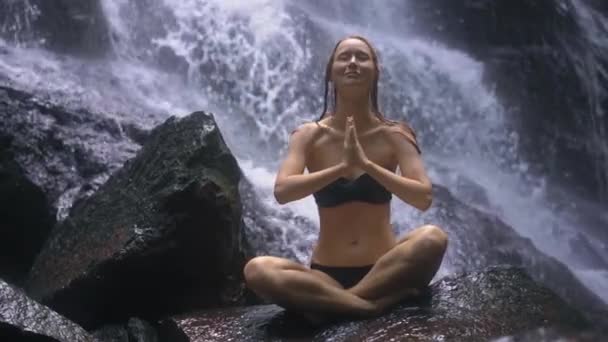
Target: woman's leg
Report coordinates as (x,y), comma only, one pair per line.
(404,269)
(298,288)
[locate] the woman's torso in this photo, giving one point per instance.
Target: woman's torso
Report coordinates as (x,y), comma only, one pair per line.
(353,233)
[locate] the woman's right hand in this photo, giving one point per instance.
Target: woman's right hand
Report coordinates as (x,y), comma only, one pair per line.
(354,156)
(348,159)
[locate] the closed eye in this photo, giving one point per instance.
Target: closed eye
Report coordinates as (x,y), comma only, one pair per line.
(362,56)
(359,54)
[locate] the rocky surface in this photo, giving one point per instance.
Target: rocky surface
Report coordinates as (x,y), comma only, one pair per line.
(135,238)
(473,307)
(65,26)
(26,217)
(137,330)
(162,235)
(22,319)
(139,254)
(67,153)
(552,334)
(478,239)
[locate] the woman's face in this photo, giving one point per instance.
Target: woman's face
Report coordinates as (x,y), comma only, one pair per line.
(353,65)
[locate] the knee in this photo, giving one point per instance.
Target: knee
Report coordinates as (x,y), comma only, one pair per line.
(256,271)
(434,238)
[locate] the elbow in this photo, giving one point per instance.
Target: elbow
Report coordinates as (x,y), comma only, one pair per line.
(426,201)
(280,199)
(279,195)
(425,205)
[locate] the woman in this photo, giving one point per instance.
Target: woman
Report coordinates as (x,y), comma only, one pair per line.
(358,267)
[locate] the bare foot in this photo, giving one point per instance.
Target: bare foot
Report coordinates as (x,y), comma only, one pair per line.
(386,302)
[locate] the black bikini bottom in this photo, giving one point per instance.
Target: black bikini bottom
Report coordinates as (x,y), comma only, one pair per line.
(348,276)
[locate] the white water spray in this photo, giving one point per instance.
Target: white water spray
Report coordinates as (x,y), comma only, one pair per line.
(253,69)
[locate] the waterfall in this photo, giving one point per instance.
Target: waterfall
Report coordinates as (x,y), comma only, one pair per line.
(258,65)
(17,22)
(591,65)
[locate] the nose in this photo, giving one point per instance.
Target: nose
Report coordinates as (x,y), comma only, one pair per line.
(353,59)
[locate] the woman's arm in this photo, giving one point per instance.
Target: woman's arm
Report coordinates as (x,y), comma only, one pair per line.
(413,185)
(291,184)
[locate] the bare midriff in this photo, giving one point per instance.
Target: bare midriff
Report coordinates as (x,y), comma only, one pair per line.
(353,234)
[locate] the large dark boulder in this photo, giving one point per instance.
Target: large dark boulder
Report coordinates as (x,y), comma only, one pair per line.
(162,235)
(26,218)
(22,319)
(66,26)
(476,306)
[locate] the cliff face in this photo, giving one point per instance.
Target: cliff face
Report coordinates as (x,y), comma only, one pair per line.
(547,62)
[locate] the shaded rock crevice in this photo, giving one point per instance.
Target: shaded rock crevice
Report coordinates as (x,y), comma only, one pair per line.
(26,217)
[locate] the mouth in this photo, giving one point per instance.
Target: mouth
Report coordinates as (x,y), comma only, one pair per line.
(351,73)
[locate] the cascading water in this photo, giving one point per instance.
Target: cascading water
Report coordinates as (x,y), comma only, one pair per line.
(258,66)
(592,68)
(17,26)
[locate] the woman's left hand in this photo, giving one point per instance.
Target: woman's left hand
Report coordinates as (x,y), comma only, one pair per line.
(354,152)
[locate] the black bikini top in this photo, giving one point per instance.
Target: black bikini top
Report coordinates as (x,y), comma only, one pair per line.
(364,188)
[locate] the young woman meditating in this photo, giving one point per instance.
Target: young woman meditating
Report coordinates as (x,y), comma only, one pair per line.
(358,267)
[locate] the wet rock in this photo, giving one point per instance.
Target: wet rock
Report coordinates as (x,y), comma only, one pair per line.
(551,334)
(136,330)
(61,150)
(479,239)
(162,235)
(22,319)
(141,331)
(26,218)
(476,306)
(115,333)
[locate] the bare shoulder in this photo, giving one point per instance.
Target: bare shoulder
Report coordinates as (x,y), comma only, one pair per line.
(304,131)
(304,135)
(400,133)
(399,127)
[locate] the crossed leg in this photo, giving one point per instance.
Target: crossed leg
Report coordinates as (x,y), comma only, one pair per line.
(296,287)
(408,266)
(405,269)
